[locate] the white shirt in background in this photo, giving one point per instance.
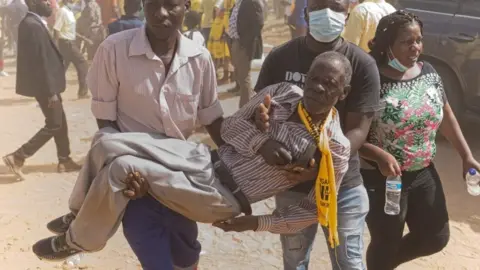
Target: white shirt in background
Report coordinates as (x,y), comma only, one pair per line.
(65,24)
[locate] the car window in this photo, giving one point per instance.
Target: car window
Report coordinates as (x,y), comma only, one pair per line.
(440,6)
(470,8)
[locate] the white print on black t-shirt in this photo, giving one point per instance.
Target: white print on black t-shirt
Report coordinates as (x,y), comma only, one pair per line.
(296,78)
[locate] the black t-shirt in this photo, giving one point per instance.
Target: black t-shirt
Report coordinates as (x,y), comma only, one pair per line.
(291,61)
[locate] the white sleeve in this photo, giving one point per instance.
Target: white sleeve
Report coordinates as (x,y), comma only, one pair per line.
(59,20)
(200,39)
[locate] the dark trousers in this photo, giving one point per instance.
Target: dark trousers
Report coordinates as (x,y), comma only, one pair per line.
(279,8)
(206,33)
(422,208)
(55,126)
(241,61)
(160,237)
(84,47)
(71,54)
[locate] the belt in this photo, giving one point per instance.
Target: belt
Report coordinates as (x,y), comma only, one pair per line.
(227,181)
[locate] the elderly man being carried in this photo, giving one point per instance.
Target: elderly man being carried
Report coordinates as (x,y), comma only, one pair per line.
(252,165)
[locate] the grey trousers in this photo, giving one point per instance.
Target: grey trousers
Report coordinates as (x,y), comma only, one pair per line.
(242,63)
(180,174)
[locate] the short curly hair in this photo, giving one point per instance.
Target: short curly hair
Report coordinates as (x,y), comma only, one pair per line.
(192,19)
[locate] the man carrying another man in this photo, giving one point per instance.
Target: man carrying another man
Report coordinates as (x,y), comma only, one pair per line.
(173,85)
(187,179)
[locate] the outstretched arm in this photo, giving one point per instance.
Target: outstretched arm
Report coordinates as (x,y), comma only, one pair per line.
(240,131)
(295,217)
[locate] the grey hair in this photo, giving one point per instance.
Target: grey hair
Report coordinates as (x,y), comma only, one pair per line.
(332,56)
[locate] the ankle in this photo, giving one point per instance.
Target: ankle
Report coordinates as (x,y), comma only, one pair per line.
(63,160)
(18,158)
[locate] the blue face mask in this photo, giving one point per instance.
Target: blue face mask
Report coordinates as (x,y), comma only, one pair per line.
(395,64)
(326,25)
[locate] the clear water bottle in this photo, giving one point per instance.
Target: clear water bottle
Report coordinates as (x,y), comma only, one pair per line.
(473,182)
(74,261)
(393,192)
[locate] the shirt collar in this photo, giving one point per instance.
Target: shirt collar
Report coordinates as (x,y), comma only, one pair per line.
(141,46)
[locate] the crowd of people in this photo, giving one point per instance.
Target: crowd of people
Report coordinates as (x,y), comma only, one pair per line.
(346,103)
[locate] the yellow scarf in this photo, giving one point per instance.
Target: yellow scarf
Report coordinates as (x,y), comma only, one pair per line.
(325,187)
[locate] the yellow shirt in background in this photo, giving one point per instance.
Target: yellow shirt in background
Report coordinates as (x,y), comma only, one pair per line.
(196,5)
(363,20)
(207,10)
(121,6)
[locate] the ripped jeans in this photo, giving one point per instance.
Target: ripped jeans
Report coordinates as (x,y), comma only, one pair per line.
(352,210)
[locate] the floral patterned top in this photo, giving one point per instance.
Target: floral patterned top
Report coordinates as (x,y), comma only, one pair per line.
(407,126)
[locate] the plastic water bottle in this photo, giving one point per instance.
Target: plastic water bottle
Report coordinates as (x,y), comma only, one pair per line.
(473,182)
(393,192)
(74,261)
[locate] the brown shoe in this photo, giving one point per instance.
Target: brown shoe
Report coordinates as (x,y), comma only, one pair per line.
(68,166)
(14,164)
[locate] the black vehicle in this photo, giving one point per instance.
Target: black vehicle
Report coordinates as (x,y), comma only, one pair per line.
(452,46)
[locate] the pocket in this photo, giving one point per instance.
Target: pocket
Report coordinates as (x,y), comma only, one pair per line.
(183,108)
(354,246)
(293,243)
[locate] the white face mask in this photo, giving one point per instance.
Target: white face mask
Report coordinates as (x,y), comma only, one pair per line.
(326,25)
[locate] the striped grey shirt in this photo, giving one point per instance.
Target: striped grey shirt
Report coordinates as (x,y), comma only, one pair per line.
(259,180)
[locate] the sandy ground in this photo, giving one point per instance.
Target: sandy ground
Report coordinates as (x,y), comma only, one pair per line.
(26,206)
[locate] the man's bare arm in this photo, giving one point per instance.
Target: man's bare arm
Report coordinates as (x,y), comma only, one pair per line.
(357,126)
(214,131)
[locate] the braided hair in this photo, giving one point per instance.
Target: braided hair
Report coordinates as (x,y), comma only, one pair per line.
(387,31)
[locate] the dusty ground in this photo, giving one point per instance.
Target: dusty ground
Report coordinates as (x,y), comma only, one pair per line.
(26,206)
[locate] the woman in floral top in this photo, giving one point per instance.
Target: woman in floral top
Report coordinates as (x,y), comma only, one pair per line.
(402,142)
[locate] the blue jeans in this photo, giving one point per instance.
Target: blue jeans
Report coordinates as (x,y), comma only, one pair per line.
(352,209)
(161,239)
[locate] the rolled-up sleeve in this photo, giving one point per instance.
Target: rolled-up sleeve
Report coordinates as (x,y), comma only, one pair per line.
(103,83)
(209,107)
(291,219)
